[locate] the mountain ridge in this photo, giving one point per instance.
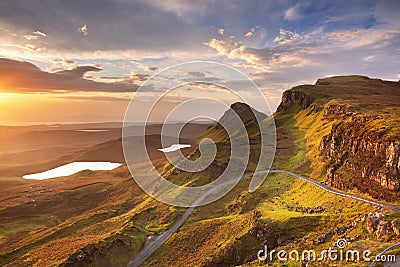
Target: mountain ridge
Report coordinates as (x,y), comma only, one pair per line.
(361,148)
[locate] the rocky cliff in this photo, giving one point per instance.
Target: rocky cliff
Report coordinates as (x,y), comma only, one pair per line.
(354,155)
(291,96)
(362,147)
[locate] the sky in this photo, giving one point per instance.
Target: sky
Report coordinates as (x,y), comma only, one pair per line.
(82,61)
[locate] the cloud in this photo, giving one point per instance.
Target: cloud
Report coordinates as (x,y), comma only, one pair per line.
(133,26)
(248,34)
(294,48)
(286,37)
(295,58)
(40,33)
(149,68)
(137,77)
(83,29)
(30,37)
(182,8)
(93,98)
(221,31)
(358,38)
(59,64)
(197,74)
(334,36)
(145,67)
(24,77)
(285,51)
(232,50)
(35,35)
(293,13)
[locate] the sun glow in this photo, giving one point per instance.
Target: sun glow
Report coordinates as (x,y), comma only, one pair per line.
(7,96)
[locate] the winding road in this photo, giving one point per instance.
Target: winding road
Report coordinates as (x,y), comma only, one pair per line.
(158,240)
(383,253)
(337,192)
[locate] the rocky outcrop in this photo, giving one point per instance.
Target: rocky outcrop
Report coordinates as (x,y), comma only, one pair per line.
(308,210)
(245,112)
(354,156)
(377,224)
(95,253)
(338,110)
(238,206)
(292,96)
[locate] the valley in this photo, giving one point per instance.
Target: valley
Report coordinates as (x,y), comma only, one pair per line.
(341,134)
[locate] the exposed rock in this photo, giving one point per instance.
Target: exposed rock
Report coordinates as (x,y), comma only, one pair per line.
(381,228)
(86,255)
(384,229)
(321,238)
(338,110)
(264,232)
(354,238)
(364,155)
(362,149)
(238,206)
(395,227)
(372,222)
(375,223)
(291,96)
(380,215)
(355,222)
(308,210)
(340,230)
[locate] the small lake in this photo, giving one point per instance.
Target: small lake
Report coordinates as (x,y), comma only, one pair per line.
(173,147)
(72,168)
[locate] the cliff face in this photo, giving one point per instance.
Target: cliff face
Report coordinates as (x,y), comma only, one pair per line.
(362,147)
(291,96)
(351,151)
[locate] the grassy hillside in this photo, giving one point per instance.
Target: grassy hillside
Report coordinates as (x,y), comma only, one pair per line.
(280,213)
(104,219)
(352,128)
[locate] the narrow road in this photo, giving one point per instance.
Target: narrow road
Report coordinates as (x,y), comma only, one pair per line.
(152,245)
(383,253)
(155,243)
(337,192)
